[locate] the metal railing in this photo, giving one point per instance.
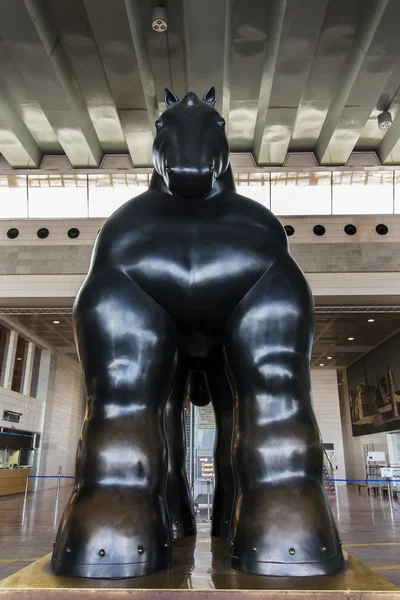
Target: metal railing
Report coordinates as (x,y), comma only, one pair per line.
(58,477)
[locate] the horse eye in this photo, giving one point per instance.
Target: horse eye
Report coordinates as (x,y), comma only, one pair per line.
(222,122)
(159,124)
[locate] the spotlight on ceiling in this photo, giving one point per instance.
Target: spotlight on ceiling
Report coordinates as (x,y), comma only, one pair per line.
(56,322)
(329,357)
(159,19)
(350,339)
(384,120)
(321,364)
(371,320)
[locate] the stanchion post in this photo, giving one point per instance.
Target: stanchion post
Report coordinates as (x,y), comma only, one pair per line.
(58,488)
(25,496)
(389,484)
(208,500)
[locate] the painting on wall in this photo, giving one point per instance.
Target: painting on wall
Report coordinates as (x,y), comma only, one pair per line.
(374,389)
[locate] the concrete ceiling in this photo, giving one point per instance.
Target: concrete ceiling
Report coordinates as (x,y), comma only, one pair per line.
(85,78)
(333,328)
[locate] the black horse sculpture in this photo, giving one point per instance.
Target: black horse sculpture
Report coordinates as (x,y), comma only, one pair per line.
(192,277)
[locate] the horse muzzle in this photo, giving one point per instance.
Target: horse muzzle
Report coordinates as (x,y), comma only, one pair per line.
(190,182)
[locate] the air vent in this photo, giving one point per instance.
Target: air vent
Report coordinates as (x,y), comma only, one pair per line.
(43,233)
(319,230)
(350,229)
(289,230)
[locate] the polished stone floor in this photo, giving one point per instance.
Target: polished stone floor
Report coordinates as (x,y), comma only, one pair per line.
(368,529)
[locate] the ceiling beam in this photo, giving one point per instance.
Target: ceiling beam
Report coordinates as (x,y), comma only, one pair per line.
(288,62)
(368,93)
(49,36)
(135,19)
(37,70)
(113,37)
(356,60)
(79,44)
(207,38)
(273,37)
(17,144)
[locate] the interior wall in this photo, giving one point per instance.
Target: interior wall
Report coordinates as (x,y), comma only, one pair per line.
(56,413)
(355,447)
(327,410)
(63,417)
(31,409)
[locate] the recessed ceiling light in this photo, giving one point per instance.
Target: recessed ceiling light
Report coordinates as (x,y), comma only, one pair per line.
(321,364)
(350,339)
(19,358)
(371,320)
(56,322)
(329,357)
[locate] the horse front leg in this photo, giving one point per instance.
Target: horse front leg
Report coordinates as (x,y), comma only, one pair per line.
(282,524)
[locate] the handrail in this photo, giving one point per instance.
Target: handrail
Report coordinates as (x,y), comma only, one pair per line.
(328,459)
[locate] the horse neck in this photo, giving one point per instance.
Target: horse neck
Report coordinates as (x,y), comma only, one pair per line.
(225,183)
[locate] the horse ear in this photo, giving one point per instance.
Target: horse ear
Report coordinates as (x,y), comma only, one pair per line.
(210,96)
(170,98)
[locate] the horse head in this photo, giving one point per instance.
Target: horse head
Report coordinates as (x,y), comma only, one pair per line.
(190,150)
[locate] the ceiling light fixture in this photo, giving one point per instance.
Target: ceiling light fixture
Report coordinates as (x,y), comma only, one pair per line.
(19,358)
(321,364)
(56,322)
(159,20)
(350,339)
(384,120)
(329,357)
(371,320)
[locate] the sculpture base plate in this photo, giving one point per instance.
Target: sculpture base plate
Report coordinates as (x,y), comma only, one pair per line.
(199,568)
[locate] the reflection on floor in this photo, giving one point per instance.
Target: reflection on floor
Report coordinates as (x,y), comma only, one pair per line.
(368,529)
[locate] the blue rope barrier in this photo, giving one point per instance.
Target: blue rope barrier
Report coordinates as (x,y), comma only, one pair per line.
(365,480)
(51,476)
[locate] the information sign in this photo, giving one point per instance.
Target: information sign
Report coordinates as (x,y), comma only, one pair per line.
(205,467)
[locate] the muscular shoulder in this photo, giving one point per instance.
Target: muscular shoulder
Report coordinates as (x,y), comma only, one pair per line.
(118,230)
(248,210)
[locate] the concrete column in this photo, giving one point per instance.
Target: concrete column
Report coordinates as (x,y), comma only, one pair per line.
(10,360)
(26,388)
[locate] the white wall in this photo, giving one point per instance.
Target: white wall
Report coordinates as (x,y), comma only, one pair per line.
(327,410)
(57,412)
(31,409)
(63,417)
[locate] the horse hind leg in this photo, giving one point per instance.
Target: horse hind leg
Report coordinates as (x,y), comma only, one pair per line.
(222,400)
(179,498)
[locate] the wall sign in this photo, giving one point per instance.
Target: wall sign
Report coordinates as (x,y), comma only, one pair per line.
(206,417)
(205,467)
(9,415)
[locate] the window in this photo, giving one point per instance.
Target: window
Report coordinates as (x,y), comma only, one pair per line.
(35,372)
(295,193)
(17,384)
(362,192)
(4,337)
(109,192)
(13,197)
(57,196)
(255,186)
